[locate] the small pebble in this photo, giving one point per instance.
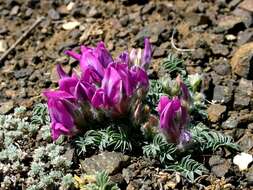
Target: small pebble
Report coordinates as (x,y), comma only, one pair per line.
(70,25)
(242,160)
(3,46)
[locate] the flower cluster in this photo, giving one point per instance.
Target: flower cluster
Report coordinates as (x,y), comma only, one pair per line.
(104,84)
(174,115)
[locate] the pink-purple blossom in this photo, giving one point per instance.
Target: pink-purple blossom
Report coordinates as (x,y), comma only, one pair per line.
(104,83)
(174,119)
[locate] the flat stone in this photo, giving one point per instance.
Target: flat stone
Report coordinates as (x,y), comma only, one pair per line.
(153,30)
(229,22)
(112,162)
(219,166)
(243,94)
(53,14)
(222,94)
(247,5)
(246,142)
(14,10)
(219,49)
(242,60)
(245,36)
(249,176)
(231,123)
(215,112)
(6,107)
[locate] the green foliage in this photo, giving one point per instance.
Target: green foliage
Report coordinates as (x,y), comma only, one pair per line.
(154,93)
(173,65)
(40,115)
(188,168)
(110,138)
(160,149)
(100,181)
(211,140)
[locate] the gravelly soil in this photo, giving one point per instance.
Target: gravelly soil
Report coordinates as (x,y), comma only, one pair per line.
(220,32)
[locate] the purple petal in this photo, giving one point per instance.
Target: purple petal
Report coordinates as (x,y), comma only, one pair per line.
(164,100)
(73,54)
(61,72)
(98,98)
(140,77)
(103,54)
(84,91)
(112,85)
(88,60)
(68,84)
(58,129)
(124,58)
(146,57)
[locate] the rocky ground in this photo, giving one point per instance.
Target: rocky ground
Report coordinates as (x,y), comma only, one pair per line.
(218,35)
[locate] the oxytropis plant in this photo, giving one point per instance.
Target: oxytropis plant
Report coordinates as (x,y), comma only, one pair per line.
(112,104)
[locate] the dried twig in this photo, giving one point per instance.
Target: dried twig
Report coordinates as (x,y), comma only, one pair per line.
(20,39)
(174,46)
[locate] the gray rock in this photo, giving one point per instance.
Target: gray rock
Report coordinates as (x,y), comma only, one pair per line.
(249,176)
(229,22)
(199,53)
(245,36)
(243,94)
(246,17)
(6,107)
(222,68)
(148,8)
(219,49)
(23,73)
(246,141)
(93,12)
(222,94)
(14,10)
(231,123)
(219,166)
(159,52)
(112,162)
(53,14)
(153,30)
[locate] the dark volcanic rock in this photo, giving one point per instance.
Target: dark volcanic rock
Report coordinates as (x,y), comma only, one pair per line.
(243,94)
(153,30)
(222,94)
(219,166)
(53,14)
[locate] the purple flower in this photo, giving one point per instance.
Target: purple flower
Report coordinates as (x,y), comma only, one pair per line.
(118,86)
(146,56)
(173,119)
(141,58)
(61,106)
(95,60)
(78,88)
(185,94)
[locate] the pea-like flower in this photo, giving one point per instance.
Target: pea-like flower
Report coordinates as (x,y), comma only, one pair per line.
(118,86)
(61,106)
(93,60)
(173,119)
